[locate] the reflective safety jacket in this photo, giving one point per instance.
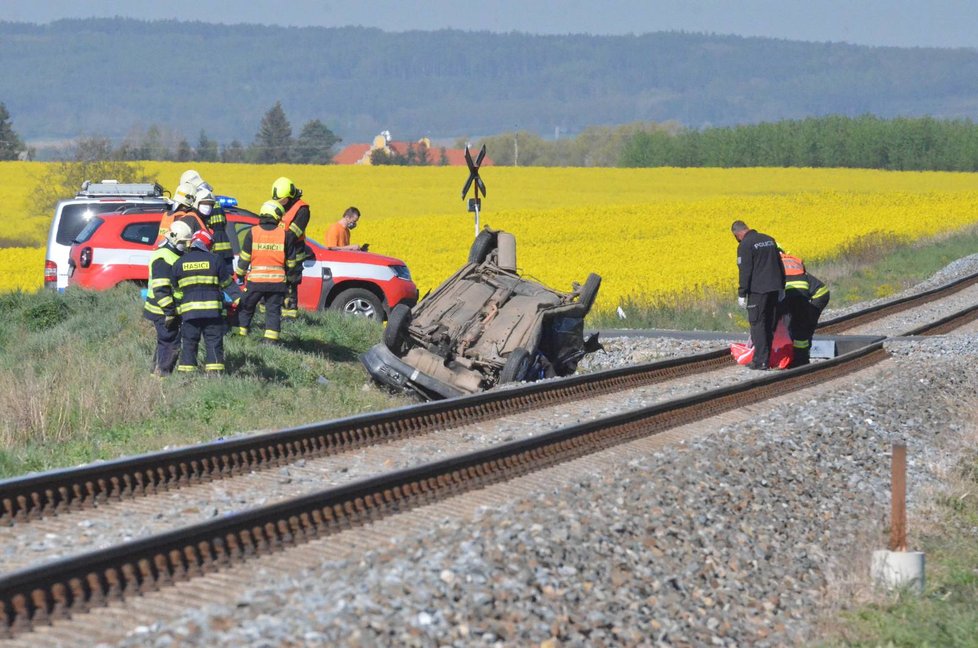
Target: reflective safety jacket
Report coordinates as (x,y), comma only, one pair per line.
(795,277)
(296,219)
(800,282)
(189,217)
(818,292)
(160,291)
(217,224)
(201,278)
(268,257)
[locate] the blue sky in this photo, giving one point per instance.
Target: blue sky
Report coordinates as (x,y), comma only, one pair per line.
(908,23)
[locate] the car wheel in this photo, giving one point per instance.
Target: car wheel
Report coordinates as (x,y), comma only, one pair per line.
(395,335)
(590,290)
(359,302)
(516,367)
(483,246)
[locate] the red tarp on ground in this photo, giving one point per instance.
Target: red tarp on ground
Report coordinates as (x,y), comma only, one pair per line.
(781,349)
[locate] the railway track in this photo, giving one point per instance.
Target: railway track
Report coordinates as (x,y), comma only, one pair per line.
(35,596)
(61,491)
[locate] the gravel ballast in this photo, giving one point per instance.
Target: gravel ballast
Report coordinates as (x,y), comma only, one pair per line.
(749,536)
(734,541)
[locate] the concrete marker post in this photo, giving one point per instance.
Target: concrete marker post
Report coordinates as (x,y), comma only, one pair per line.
(896,567)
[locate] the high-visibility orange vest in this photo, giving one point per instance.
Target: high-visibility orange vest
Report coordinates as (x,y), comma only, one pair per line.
(168,219)
(267,255)
(290,216)
(793,266)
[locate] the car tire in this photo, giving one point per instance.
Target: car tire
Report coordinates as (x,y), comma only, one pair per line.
(590,291)
(482,246)
(516,367)
(395,335)
(359,302)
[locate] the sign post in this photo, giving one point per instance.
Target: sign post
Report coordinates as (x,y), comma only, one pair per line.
(475,204)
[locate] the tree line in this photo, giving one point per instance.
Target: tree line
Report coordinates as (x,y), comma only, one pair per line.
(901,144)
(273,143)
(869,142)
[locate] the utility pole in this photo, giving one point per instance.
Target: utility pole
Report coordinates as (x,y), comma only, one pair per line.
(516,146)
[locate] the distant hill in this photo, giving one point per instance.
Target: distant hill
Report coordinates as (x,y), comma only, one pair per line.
(110,76)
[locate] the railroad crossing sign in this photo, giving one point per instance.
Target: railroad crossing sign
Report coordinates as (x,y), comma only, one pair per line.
(475,204)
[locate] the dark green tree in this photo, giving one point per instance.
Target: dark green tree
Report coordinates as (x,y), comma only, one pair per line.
(92,160)
(315,144)
(273,143)
(184,152)
(390,157)
(233,152)
(206,148)
(10,143)
(152,147)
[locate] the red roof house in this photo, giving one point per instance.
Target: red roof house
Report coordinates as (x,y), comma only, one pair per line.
(360,153)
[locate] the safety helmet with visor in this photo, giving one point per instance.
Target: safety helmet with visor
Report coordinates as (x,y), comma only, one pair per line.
(193,178)
(184,195)
(285,188)
(179,235)
(271,209)
(204,201)
(202,239)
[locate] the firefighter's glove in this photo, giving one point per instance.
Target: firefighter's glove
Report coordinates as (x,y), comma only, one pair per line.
(364,247)
(742,302)
(171,322)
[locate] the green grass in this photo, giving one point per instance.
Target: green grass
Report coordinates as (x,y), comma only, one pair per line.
(75,383)
(946,614)
(869,268)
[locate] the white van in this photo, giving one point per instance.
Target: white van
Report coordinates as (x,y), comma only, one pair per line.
(71,216)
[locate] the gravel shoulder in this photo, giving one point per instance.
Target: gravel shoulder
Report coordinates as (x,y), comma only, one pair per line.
(752,535)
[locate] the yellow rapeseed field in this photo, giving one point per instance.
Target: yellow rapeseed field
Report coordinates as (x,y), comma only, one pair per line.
(650,233)
(21,268)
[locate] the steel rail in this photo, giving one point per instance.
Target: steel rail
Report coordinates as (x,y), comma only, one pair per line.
(946,324)
(34,596)
(879,311)
(35,496)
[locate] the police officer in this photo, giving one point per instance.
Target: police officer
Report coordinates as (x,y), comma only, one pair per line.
(268,261)
(161,305)
(295,219)
(201,278)
(761,281)
(805,297)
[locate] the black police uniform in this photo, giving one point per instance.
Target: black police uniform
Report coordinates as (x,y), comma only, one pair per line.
(761,282)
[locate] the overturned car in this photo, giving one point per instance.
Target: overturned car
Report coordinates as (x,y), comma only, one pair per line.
(484,326)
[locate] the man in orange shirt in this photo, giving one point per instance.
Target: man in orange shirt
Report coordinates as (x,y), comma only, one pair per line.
(338,234)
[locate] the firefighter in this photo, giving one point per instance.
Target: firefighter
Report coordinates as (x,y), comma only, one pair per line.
(201,278)
(805,297)
(268,262)
(295,219)
(215,219)
(161,305)
(182,210)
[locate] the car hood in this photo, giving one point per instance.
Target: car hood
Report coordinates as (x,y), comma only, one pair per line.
(349,256)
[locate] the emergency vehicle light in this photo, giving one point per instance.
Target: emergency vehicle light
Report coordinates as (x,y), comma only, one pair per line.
(227,201)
